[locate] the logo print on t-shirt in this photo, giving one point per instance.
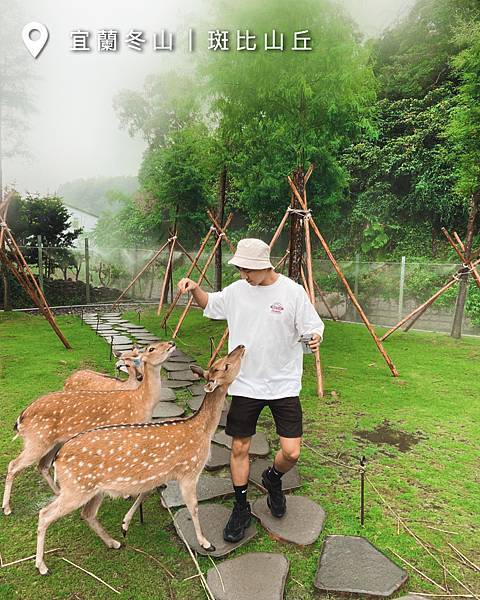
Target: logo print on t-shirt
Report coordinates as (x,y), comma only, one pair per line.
(276,307)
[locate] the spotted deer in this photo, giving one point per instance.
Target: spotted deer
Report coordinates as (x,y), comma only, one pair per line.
(86,379)
(56,417)
(134,459)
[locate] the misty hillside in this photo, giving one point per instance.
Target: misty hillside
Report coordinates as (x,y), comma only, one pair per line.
(94,194)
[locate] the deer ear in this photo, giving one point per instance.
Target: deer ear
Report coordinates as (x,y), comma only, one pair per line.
(198,371)
(211,386)
(117,353)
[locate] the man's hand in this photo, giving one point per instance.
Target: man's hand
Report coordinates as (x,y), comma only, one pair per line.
(315,342)
(187,285)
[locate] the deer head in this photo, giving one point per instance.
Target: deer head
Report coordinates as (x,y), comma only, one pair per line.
(156,354)
(223,371)
(130,358)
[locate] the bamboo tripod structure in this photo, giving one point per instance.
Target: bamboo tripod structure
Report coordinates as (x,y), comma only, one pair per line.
(220,233)
(308,281)
(171,243)
(468,268)
(11,256)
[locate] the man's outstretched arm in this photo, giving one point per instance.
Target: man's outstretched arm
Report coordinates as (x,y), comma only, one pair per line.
(188,285)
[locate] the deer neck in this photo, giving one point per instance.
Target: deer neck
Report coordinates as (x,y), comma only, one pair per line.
(211,409)
(151,385)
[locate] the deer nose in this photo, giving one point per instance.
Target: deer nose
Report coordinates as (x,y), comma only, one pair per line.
(172,343)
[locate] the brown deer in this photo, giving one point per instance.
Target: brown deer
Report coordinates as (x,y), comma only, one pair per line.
(56,417)
(134,459)
(86,379)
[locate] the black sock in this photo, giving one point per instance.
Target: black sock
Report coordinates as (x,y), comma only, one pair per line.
(274,474)
(241,494)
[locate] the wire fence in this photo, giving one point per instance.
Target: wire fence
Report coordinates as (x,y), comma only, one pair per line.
(387,291)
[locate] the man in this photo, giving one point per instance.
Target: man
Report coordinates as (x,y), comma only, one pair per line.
(267,313)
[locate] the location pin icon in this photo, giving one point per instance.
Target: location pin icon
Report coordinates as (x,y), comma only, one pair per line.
(35,46)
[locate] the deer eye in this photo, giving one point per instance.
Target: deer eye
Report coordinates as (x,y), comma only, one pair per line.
(151,349)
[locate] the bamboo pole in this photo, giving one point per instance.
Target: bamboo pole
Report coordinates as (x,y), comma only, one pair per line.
(218,348)
(468,263)
(459,241)
(187,254)
(189,272)
(202,275)
(221,230)
(173,240)
(140,273)
(31,284)
(348,289)
(453,244)
(279,230)
(318,364)
(420,308)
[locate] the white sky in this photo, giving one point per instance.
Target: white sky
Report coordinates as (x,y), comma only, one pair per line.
(75,132)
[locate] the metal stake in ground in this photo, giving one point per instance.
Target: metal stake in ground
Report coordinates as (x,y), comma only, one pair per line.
(363,462)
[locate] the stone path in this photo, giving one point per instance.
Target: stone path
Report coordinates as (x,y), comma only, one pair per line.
(347,564)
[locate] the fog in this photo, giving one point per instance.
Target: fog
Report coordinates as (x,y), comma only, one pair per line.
(75,132)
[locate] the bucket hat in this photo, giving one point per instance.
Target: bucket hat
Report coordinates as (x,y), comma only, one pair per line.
(252,254)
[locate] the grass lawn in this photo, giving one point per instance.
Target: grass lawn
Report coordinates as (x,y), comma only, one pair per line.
(433,483)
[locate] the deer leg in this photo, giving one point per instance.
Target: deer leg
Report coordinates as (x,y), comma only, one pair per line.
(27,457)
(89,515)
(44,469)
(128,517)
(61,506)
(188,488)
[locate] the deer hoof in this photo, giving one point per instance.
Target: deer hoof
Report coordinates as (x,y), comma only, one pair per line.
(7,510)
(211,548)
(43,569)
(114,544)
(124,530)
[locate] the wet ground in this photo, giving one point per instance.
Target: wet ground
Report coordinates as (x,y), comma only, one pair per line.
(386,433)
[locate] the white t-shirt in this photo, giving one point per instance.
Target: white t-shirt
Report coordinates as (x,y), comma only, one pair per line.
(268,320)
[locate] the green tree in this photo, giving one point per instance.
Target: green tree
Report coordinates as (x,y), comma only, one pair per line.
(281,111)
(46,216)
(464,132)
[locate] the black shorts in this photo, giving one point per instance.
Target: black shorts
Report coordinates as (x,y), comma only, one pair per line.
(244,412)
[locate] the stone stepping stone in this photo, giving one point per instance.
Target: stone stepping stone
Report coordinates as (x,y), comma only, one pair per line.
(259,445)
(352,564)
(208,487)
(290,481)
(101,327)
(197,388)
(167,410)
(411,597)
(139,328)
(184,375)
(259,575)
(146,338)
(213,518)
(109,334)
(174,366)
(118,339)
(219,457)
(167,395)
(122,347)
(196,402)
(180,358)
(173,384)
(112,314)
(302,523)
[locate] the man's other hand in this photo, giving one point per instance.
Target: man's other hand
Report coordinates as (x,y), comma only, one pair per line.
(314,344)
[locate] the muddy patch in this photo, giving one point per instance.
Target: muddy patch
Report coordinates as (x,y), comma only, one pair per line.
(386,433)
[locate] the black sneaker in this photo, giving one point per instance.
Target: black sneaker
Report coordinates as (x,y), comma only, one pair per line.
(237,523)
(277,503)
